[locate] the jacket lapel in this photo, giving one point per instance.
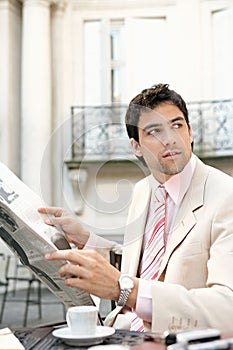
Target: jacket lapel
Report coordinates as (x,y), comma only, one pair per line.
(135,229)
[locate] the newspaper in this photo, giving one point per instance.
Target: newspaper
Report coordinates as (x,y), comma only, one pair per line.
(23,229)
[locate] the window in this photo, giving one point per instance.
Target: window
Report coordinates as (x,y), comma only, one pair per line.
(222,53)
(103,61)
(117,60)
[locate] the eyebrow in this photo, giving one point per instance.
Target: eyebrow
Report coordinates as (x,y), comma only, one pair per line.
(155,125)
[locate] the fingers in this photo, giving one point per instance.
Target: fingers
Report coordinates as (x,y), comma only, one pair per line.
(89,271)
(74,256)
(68,270)
(83,263)
(56,211)
(55,221)
(80,267)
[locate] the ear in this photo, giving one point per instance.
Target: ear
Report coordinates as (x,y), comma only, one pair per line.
(191,133)
(136,147)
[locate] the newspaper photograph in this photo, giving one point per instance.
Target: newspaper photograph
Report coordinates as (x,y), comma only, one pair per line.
(23,229)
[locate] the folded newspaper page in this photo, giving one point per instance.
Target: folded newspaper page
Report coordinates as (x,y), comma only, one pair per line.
(23,229)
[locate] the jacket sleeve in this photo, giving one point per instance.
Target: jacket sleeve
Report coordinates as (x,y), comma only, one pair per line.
(103,246)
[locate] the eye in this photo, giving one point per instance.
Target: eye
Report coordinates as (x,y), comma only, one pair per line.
(154,131)
(177,125)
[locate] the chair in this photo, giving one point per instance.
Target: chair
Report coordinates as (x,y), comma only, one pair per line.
(115,260)
(16,277)
(3,283)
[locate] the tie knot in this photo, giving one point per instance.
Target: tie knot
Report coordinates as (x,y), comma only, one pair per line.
(160,194)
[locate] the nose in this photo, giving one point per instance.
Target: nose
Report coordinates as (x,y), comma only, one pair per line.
(167,137)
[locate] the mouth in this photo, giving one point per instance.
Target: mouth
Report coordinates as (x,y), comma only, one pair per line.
(171,154)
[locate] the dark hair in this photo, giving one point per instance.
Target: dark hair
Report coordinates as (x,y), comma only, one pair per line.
(151,98)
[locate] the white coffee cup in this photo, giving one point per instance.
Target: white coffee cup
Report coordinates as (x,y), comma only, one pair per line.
(82,320)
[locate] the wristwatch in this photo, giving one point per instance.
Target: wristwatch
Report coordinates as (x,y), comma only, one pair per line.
(126,285)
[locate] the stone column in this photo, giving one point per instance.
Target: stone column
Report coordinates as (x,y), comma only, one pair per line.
(10,58)
(59,78)
(10,43)
(36,94)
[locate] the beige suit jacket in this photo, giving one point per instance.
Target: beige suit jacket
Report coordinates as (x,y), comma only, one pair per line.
(196,277)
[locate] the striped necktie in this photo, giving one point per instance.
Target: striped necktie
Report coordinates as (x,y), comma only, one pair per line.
(155,247)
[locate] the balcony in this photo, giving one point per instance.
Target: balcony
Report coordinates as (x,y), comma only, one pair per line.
(98,133)
(102,169)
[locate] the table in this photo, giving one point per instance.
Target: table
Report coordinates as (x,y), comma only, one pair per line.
(41,338)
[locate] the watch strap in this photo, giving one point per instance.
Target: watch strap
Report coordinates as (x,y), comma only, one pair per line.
(124,294)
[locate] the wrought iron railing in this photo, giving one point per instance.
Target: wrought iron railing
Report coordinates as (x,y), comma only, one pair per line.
(99,132)
(212,123)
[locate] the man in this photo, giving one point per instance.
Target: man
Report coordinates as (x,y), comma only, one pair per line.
(191,282)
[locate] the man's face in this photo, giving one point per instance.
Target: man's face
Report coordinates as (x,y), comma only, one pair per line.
(164,141)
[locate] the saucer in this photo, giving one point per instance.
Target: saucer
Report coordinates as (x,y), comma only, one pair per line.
(71,339)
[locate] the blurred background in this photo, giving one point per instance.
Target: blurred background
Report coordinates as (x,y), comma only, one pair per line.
(68,70)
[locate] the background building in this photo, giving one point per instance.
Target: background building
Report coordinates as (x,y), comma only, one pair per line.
(58,54)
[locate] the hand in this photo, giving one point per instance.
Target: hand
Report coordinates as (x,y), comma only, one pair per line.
(73,230)
(91,272)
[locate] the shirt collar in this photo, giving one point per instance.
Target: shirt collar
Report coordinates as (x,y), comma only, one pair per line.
(178,184)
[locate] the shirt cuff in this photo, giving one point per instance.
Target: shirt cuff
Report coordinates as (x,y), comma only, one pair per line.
(91,243)
(144,300)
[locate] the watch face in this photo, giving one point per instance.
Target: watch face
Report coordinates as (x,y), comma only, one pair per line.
(126,282)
